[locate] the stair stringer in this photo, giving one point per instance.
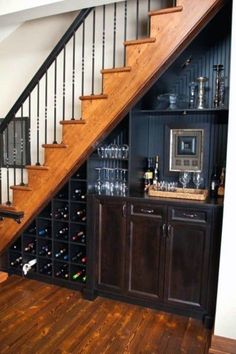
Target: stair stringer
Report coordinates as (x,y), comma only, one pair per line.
(173,32)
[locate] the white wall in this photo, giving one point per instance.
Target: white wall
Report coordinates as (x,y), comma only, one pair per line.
(22,53)
(225,323)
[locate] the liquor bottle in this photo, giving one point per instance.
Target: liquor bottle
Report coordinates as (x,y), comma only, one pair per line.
(80,276)
(214,183)
(16,263)
(221,188)
(62,253)
(46,269)
(30,248)
(79,215)
(78,194)
(79,237)
(43,231)
(156,173)
(148,174)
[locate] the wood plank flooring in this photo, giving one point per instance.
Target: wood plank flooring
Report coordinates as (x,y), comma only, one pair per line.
(42,318)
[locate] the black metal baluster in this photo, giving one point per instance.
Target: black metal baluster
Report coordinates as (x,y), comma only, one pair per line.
(149,19)
(82,75)
(55,102)
(125,29)
(38,97)
(14,150)
(73,80)
(29,127)
(22,148)
(7,165)
(137,19)
(103,39)
(46,109)
(93,51)
(64,84)
(114,37)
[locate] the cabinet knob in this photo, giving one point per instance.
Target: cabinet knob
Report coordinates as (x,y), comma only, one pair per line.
(124,210)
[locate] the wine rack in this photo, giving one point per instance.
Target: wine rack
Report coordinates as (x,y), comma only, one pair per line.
(57,238)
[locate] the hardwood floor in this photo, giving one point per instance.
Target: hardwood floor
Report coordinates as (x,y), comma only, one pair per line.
(42,318)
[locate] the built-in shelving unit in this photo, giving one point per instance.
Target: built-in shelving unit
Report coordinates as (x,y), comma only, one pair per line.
(57,237)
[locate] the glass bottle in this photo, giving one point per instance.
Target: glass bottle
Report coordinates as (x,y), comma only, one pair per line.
(148,174)
(156,173)
(214,184)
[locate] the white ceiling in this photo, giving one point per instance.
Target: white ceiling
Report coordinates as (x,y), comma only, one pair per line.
(18,11)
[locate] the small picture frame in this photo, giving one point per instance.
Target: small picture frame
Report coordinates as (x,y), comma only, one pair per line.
(186,150)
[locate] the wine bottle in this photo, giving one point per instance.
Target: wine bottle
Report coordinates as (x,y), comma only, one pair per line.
(45,250)
(61,253)
(80,276)
(156,173)
(44,231)
(79,215)
(46,269)
(148,174)
(78,194)
(214,183)
(62,233)
(17,262)
(79,258)
(31,230)
(62,272)
(30,248)
(221,188)
(61,213)
(79,237)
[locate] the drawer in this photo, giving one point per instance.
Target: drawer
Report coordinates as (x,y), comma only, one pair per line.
(195,215)
(147,210)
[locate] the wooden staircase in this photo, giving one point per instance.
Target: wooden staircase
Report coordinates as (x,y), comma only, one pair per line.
(171,31)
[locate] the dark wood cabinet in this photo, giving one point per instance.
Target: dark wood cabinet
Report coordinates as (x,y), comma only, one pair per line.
(144,251)
(186,264)
(110,241)
(158,253)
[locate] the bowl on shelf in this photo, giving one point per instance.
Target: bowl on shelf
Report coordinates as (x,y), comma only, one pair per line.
(171,101)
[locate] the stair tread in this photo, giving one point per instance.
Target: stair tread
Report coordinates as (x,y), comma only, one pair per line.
(57,146)
(7,207)
(21,188)
(36,167)
(73,121)
(168,10)
(140,41)
(116,70)
(93,97)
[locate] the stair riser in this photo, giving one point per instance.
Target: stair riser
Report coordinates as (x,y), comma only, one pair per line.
(52,154)
(35,176)
(113,77)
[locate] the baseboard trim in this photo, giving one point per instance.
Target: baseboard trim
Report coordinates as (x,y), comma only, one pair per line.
(222,345)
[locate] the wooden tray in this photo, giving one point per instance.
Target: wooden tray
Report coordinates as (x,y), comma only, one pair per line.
(180,193)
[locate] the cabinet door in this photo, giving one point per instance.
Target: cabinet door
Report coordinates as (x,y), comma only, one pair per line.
(144,267)
(111,233)
(187,259)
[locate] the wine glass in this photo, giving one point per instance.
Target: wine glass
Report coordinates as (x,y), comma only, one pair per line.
(198,179)
(184,178)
